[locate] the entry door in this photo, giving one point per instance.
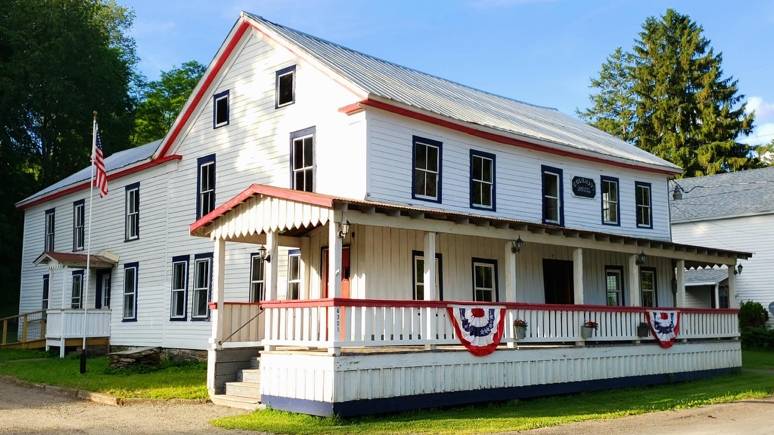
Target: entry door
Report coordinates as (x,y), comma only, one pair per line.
(103,289)
(558,282)
(344,272)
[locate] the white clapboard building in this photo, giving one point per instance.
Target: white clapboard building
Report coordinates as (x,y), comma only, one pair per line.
(291,210)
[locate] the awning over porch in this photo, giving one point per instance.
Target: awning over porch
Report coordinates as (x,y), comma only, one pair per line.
(76,260)
(705,277)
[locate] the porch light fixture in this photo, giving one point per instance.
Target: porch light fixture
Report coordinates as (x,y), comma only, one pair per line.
(343,229)
(738,270)
(516,245)
(641,258)
(262,254)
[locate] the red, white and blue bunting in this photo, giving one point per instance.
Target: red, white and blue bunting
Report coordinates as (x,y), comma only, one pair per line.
(479,329)
(665,325)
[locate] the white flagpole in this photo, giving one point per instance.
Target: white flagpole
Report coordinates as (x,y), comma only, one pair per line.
(85,293)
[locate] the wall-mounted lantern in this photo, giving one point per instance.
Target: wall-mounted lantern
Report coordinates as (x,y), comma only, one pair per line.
(516,245)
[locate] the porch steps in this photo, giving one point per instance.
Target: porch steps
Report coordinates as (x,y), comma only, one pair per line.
(245,392)
(245,403)
(250,375)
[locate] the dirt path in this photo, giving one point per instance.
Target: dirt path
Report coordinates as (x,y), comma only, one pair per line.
(31,410)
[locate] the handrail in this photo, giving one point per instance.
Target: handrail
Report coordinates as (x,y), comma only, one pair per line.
(22,315)
(260,311)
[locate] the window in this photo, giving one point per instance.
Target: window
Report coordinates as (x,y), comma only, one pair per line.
(482,180)
(130,291)
(205,188)
(79,225)
(484,280)
(201,290)
(426,177)
(614,285)
(553,212)
(294,274)
(132,212)
(77,290)
(49,231)
(302,159)
(644,208)
(648,287)
(611,207)
(257,284)
(179,299)
(419,275)
(220,109)
(44,302)
(285,87)
(102,298)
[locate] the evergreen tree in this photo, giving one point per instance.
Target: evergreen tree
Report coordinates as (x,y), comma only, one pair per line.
(613,106)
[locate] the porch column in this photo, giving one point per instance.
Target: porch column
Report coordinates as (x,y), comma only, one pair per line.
(717,295)
(217,315)
(633,273)
(270,283)
(303,267)
(510,289)
(577,275)
(429,285)
(62,316)
(334,284)
(732,286)
(680,281)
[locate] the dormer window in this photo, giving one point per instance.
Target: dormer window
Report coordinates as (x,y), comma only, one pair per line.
(220,109)
(285,87)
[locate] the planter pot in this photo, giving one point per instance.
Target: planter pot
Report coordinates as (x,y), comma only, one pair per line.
(643,330)
(519,332)
(587,332)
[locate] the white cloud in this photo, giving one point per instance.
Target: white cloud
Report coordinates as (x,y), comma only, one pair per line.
(764,121)
(763,134)
(764,111)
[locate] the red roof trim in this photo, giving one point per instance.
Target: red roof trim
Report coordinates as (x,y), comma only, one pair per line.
(112,176)
(310,198)
(356,107)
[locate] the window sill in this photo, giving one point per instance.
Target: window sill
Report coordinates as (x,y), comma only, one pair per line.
(129,320)
(200,319)
(280,106)
(132,240)
(483,207)
(217,126)
(177,319)
(425,198)
(612,224)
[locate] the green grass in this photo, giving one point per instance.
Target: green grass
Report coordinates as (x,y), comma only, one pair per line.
(170,382)
(531,414)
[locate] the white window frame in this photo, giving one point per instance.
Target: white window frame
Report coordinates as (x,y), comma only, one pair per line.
(619,280)
(132,209)
(178,292)
(216,99)
(76,302)
(492,267)
(290,71)
(131,293)
(307,169)
(257,285)
(481,184)
(294,256)
(208,192)
(424,143)
(610,204)
(50,230)
(79,225)
(197,291)
(653,290)
(648,208)
(419,275)
(557,198)
(46,292)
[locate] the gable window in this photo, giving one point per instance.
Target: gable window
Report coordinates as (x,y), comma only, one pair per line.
(132,212)
(426,176)
(482,180)
(256,278)
(49,231)
(131,279)
(77,290)
(648,287)
(644,208)
(220,109)
(419,275)
(205,187)
(79,225)
(484,280)
(294,274)
(200,294)
(302,159)
(553,212)
(44,301)
(610,203)
(614,285)
(285,87)
(179,298)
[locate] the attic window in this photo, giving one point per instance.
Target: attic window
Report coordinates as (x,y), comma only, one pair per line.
(220,109)
(285,87)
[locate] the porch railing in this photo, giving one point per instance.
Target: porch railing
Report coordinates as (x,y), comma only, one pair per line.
(23,329)
(68,323)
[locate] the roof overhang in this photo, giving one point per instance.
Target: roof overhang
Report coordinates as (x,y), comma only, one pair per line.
(76,260)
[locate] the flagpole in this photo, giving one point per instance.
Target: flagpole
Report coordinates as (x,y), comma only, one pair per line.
(85,293)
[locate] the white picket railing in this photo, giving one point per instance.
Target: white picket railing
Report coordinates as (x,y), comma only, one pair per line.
(68,323)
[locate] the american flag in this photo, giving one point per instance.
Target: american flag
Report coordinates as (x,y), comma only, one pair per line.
(98,159)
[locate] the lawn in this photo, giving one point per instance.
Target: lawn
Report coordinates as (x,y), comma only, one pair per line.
(751,383)
(186,381)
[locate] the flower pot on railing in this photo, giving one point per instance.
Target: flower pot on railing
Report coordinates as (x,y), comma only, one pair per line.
(588,328)
(643,330)
(519,329)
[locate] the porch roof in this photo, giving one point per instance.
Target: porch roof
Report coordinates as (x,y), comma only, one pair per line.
(75,260)
(290,211)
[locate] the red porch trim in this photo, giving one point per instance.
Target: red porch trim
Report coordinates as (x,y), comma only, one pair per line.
(359,106)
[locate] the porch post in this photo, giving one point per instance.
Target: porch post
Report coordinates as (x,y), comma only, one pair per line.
(510,290)
(429,285)
(62,316)
(732,286)
(680,280)
(717,295)
(577,275)
(633,273)
(334,283)
(270,282)
(217,315)
(303,267)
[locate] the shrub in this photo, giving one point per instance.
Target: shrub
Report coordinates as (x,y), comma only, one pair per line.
(752,315)
(758,338)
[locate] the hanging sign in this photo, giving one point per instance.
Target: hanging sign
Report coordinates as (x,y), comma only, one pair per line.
(665,326)
(479,329)
(584,187)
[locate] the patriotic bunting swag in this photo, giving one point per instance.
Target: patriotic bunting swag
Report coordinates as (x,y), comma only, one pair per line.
(479,329)
(665,326)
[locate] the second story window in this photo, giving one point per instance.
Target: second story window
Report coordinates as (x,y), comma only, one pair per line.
(426,175)
(482,180)
(642,199)
(132,212)
(294,274)
(79,225)
(205,188)
(553,212)
(285,87)
(200,295)
(302,159)
(610,203)
(48,234)
(220,109)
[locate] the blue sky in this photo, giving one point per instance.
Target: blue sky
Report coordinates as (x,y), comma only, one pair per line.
(540,51)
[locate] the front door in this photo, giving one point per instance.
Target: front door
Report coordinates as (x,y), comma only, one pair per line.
(103,289)
(558,282)
(344,275)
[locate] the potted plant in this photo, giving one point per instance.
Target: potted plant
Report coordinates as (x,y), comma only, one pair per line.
(588,328)
(519,329)
(643,330)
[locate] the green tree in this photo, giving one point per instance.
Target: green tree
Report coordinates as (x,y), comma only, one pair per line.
(163,100)
(765,153)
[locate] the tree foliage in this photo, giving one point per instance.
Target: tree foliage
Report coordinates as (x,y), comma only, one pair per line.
(669,96)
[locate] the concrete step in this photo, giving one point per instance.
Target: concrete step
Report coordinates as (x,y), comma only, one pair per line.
(237,402)
(249,375)
(250,390)
(255,363)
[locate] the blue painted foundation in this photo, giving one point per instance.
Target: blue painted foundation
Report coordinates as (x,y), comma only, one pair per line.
(438,400)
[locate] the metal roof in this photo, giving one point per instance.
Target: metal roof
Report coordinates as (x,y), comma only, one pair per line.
(733,194)
(706,276)
(115,161)
(462,103)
